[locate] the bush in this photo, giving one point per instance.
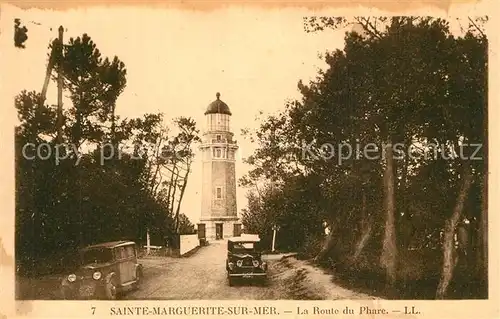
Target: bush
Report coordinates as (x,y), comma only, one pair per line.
(312,246)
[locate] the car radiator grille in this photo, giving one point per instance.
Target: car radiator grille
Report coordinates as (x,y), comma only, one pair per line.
(247,262)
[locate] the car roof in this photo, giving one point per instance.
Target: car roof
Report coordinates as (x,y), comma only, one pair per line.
(246,238)
(112,244)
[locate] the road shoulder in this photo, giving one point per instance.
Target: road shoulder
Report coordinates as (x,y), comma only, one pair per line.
(305,281)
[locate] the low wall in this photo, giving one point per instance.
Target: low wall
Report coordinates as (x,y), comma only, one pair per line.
(153,251)
(188,243)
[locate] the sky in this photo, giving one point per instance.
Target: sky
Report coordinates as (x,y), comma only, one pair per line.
(176,62)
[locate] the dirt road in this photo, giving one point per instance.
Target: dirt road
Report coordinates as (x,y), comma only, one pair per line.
(199,276)
(203,276)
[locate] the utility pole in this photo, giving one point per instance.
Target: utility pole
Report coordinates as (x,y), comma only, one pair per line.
(148,243)
(275,229)
(60,87)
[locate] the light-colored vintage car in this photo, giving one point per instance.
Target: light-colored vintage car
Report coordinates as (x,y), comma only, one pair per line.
(244,259)
(106,270)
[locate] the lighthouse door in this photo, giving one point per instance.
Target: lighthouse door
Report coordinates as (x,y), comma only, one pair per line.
(218,231)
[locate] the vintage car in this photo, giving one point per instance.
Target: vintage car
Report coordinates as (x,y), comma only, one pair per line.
(244,259)
(106,270)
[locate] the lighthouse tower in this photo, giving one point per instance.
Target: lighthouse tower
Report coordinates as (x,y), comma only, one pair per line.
(218,148)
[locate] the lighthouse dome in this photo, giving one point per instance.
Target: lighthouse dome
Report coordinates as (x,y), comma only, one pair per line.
(218,107)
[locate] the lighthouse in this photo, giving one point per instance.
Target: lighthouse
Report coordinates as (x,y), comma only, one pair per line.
(218,150)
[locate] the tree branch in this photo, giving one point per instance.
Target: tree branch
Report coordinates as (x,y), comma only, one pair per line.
(477,28)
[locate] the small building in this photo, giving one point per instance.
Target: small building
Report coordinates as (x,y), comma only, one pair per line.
(218,151)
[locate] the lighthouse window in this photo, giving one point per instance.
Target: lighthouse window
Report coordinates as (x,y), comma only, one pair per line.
(218,194)
(218,153)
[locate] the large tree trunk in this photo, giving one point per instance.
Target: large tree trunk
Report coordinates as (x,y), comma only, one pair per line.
(450,256)
(172,199)
(60,88)
(483,262)
(403,216)
(366,229)
(48,73)
(154,183)
(363,240)
(388,258)
(77,138)
(183,189)
(484,229)
(170,185)
(114,141)
(327,246)
(154,179)
(329,241)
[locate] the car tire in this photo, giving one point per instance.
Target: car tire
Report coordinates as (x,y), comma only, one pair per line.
(263,281)
(67,293)
(139,277)
(111,290)
(230,280)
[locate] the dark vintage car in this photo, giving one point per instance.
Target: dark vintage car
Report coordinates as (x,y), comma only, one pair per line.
(106,270)
(244,259)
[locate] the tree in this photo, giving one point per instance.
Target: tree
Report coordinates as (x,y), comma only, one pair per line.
(20,34)
(94,85)
(185,225)
(404,102)
(187,136)
(169,161)
(70,201)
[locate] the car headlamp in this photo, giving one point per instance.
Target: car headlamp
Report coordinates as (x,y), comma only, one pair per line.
(231,265)
(97,275)
(72,278)
(255,263)
(239,263)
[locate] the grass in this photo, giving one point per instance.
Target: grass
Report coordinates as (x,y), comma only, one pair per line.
(418,273)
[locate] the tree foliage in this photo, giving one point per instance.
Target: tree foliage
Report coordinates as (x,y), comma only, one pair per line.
(20,34)
(185,225)
(101,182)
(380,150)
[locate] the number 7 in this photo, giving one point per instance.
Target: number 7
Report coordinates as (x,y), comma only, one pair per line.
(93,310)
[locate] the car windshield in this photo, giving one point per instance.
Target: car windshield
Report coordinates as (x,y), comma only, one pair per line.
(244,246)
(97,255)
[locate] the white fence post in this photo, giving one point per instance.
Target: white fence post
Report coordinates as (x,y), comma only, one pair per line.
(148,243)
(275,229)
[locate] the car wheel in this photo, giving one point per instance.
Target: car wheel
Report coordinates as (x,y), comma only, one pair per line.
(138,276)
(263,281)
(231,281)
(67,293)
(111,290)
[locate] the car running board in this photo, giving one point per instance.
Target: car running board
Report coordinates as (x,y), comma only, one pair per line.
(128,283)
